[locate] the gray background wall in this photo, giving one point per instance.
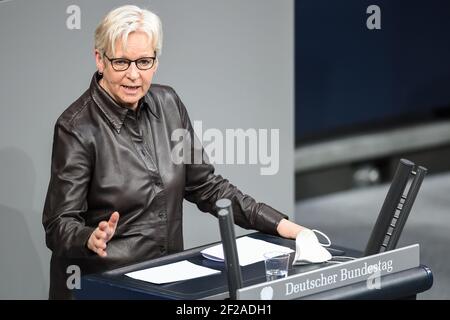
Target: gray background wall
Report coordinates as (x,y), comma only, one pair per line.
(230,61)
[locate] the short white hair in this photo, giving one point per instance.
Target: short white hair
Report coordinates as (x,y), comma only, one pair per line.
(120,22)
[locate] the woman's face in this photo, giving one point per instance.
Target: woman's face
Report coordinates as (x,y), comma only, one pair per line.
(127,87)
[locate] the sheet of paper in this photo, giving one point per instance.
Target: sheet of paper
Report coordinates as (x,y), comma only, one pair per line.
(178,271)
(249,250)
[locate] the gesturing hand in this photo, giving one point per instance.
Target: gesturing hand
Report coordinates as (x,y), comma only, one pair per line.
(102,234)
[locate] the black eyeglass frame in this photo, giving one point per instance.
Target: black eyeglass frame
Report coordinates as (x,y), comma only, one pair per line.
(111,60)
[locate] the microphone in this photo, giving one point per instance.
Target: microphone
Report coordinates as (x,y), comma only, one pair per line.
(226,223)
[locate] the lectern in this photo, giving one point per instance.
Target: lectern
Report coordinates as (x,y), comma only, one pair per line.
(115,284)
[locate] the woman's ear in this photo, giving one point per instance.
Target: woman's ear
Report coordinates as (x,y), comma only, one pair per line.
(100,63)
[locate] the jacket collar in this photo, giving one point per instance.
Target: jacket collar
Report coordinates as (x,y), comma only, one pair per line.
(114,112)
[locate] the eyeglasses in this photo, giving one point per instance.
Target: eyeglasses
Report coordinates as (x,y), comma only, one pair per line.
(122,64)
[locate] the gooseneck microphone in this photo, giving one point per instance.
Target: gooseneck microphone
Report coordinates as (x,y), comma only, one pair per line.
(232,267)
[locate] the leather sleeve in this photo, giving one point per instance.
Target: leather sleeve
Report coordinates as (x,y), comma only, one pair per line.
(204,188)
(66,233)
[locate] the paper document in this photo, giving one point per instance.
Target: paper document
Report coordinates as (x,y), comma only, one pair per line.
(178,271)
(249,250)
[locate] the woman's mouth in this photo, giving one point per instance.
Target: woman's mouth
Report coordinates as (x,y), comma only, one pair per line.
(131,89)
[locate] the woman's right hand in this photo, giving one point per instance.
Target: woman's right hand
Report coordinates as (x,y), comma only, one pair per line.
(102,234)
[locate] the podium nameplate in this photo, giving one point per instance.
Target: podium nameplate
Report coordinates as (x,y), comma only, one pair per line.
(369,269)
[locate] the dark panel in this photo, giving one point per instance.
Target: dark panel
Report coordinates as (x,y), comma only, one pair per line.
(350,79)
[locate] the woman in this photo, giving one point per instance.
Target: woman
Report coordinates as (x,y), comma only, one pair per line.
(115,194)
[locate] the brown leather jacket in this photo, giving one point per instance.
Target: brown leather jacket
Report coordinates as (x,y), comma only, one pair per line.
(109,158)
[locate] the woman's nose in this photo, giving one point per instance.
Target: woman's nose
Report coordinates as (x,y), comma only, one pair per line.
(133,71)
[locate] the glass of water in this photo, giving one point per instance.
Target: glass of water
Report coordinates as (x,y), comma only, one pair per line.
(276,264)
